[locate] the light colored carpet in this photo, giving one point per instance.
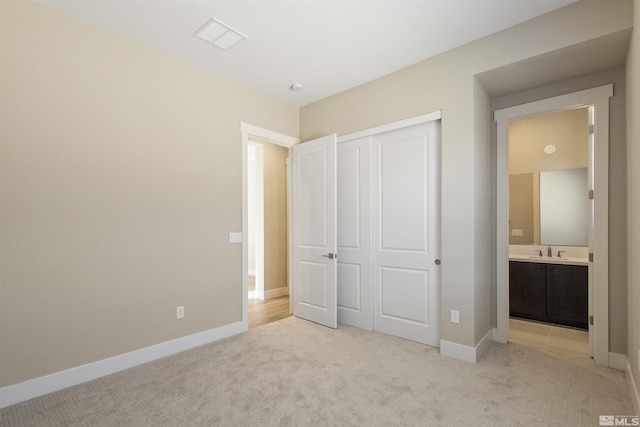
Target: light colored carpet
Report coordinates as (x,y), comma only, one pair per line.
(296,373)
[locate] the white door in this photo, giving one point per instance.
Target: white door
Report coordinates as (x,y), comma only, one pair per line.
(314,231)
(406,232)
(354,233)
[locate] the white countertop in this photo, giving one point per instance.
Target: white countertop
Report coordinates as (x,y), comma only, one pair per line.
(549,260)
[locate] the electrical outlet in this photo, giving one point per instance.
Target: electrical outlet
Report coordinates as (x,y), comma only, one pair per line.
(455,316)
(180,312)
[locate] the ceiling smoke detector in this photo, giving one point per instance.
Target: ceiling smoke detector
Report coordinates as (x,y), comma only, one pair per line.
(296,87)
(219,34)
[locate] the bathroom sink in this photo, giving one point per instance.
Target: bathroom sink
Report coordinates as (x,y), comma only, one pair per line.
(546,258)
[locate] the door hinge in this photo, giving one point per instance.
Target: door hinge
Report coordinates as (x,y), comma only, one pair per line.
(590,194)
(591,129)
(590,256)
(591,320)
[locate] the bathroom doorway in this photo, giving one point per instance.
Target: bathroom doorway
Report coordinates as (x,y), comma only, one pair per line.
(549,169)
(596,100)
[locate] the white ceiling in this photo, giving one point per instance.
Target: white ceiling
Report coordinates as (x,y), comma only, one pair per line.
(329,45)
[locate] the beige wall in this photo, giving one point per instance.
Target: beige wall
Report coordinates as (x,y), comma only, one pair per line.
(275,216)
(633,192)
(121,180)
(446,82)
(567,130)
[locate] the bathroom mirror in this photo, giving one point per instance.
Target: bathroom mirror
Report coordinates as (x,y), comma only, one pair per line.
(549,208)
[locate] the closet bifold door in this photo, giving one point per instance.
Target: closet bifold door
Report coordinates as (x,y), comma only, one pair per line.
(406,232)
(354,233)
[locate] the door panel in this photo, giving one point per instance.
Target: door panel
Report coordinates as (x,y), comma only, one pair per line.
(406,232)
(404,294)
(314,231)
(354,233)
(402,206)
(349,287)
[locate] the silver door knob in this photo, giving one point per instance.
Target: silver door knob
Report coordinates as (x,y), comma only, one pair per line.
(330,256)
(437,262)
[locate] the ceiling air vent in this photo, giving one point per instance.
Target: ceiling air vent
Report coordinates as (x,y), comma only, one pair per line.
(219,34)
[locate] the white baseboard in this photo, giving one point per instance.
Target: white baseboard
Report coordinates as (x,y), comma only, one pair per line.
(271,293)
(466,353)
(618,361)
(20,392)
(277,292)
(484,344)
(633,388)
(500,336)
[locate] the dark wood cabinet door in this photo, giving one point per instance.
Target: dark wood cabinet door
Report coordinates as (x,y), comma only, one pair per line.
(527,290)
(567,295)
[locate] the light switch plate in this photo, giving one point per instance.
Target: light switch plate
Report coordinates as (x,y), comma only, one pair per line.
(516,233)
(235,237)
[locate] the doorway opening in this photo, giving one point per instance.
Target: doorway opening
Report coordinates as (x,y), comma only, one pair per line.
(267,218)
(549,169)
(265,225)
(598,287)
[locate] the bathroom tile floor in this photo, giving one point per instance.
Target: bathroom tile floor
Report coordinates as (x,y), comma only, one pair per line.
(550,338)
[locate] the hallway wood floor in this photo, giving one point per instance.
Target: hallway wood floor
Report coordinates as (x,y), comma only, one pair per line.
(266,311)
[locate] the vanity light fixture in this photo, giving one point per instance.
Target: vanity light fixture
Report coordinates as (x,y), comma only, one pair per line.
(219,34)
(550,149)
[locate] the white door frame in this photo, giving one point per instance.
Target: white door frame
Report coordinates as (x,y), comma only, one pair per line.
(599,243)
(249,131)
(258,215)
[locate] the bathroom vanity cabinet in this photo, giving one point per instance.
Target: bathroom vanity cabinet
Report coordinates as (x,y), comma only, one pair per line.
(554,293)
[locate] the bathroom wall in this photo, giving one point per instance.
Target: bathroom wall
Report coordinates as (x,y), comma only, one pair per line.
(568,131)
(522,208)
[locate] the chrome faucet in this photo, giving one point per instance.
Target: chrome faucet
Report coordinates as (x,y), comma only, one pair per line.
(549,252)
